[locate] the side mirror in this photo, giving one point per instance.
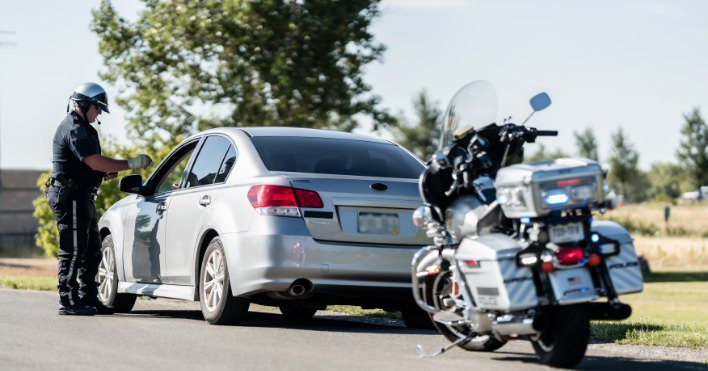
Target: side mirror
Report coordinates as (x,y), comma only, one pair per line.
(131,184)
(540,102)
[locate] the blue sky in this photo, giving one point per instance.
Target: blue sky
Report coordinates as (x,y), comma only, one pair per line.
(637,64)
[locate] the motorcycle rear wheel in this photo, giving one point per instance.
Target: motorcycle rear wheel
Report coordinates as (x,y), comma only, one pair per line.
(564,341)
(436,289)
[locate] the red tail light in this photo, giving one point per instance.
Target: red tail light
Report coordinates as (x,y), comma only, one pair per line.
(569,255)
(271,196)
(284,201)
(308,199)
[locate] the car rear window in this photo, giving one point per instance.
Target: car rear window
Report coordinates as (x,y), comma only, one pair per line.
(336,156)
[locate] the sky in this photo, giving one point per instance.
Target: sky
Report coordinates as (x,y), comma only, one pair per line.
(635,64)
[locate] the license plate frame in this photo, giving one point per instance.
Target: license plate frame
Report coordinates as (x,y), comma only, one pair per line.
(569,232)
(378,223)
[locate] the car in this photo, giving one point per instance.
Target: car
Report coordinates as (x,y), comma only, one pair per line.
(290,217)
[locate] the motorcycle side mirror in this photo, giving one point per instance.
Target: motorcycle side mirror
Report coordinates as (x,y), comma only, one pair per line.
(540,102)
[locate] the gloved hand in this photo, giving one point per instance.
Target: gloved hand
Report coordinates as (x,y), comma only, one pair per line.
(140,162)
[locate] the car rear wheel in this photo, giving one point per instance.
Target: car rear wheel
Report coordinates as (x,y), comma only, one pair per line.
(219,306)
(295,311)
(107,280)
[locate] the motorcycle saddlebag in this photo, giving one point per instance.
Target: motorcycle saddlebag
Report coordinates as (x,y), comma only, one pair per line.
(488,264)
(624,268)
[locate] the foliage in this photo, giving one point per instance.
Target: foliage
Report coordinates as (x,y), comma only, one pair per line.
(624,171)
(188,65)
(542,154)
(108,194)
(693,148)
(665,181)
(587,144)
(421,137)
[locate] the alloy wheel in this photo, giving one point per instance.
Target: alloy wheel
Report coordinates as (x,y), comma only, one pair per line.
(214,280)
(105,275)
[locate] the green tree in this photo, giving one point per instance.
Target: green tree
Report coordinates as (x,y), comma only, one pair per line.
(624,168)
(422,136)
(587,144)
(665,181)
(191,65)
(693,148)
(542,154)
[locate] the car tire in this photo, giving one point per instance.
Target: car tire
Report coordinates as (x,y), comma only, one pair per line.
(295,311)
(107,280)
(218,304)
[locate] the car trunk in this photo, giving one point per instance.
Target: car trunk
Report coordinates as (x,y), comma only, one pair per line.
(357,213)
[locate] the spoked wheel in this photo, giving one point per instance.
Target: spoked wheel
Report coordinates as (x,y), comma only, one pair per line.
(107,280)
(219,306)
(564,341)
(438,293)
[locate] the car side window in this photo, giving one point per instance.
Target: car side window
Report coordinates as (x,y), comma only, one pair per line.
(208,161)
(173,176)
(226,165)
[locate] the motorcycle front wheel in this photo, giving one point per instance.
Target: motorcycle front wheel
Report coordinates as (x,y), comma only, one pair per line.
(564,340)
(437,289)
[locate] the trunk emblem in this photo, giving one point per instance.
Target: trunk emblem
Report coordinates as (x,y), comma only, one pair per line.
(379,187)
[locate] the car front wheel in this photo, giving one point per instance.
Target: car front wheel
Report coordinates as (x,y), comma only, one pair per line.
(219,306)
(107,280)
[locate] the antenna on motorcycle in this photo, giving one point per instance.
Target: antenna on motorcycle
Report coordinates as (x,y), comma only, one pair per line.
(539,102)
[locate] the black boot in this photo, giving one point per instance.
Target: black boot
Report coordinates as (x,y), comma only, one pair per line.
(76,310)
(98,306)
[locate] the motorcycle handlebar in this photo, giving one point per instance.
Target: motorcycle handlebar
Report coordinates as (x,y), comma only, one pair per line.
(547,133)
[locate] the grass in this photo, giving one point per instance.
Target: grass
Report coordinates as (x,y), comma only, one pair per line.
(33,282)
(647,219)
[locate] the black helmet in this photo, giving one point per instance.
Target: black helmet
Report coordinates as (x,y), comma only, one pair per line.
(91,93)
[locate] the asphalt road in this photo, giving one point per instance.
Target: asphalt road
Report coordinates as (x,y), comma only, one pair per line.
(166,334)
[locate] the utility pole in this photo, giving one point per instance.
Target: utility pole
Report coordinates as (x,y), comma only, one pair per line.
(3,43)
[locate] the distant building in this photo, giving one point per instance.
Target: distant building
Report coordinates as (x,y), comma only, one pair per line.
(18,188)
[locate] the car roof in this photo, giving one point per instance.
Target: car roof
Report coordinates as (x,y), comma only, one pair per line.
(274,131)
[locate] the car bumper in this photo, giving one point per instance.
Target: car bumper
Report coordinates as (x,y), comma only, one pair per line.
(271,261)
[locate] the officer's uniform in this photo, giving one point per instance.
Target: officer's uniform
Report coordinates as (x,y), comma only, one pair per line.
(71,192)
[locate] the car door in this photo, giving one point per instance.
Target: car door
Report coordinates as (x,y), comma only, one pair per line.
(188,210)
(144,238)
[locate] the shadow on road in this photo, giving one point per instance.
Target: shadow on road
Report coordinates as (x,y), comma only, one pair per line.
(612,363)
(360,324)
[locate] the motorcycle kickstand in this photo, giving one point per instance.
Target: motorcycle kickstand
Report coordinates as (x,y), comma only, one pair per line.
(421,352)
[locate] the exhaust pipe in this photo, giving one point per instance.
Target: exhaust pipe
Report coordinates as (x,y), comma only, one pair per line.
(516,326)
(300,288)
(610,311)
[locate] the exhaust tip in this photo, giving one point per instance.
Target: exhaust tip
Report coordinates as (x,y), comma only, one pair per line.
(300,288)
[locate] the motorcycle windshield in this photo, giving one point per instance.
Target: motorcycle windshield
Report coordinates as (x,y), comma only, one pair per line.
(473,106)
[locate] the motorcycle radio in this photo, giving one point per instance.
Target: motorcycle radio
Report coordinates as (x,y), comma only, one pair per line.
(535,189)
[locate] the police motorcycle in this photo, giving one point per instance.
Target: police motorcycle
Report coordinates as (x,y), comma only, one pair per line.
(516,252)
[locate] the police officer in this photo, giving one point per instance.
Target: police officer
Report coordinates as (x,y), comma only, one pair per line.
(78,169)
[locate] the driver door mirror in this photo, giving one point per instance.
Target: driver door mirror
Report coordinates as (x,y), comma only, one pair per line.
(540,102)
(131,184)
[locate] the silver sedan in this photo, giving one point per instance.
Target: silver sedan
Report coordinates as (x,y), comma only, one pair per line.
(288,217)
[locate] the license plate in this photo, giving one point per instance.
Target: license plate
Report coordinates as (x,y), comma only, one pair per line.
(563,233)
(378,223)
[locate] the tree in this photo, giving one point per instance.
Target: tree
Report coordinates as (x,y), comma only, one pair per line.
(624,161)
(587,144)
(542,154)
(421,137)
(191,65)
(693,148)
(665,181)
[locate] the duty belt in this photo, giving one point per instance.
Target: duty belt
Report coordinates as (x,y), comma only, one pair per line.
(90,192)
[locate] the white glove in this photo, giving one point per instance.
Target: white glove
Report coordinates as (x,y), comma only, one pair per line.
(140,162)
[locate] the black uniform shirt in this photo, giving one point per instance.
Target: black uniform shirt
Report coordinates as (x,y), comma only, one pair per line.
(74,140)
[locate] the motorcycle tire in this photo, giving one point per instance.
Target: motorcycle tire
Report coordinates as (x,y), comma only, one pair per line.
(437,286)
(564,340)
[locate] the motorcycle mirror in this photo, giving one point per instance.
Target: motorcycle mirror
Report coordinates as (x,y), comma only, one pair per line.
(421,216)
(540,102)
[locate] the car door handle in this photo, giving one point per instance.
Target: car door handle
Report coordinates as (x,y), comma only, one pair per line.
(161,207)
(205,201)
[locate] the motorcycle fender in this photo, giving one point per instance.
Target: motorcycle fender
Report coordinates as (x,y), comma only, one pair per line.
(572,286)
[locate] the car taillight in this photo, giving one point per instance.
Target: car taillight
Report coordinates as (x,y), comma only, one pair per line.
(309,199)
(282,201)
(569,255)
